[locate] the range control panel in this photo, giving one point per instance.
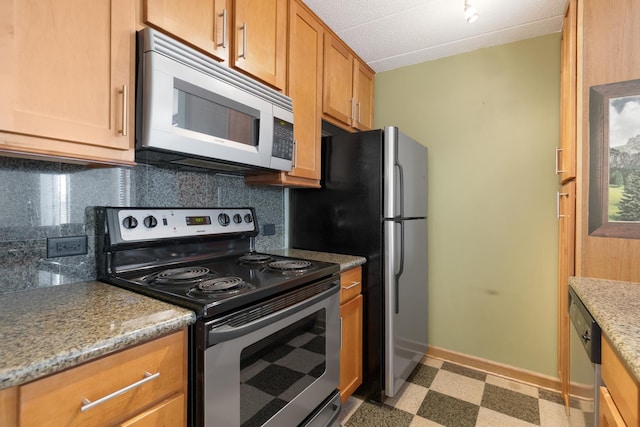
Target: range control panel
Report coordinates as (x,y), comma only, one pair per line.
(142,224)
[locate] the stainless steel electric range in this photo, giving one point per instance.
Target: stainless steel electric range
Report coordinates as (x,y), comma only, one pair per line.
(264,350)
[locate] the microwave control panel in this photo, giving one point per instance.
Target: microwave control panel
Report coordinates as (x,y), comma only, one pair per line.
(282,139)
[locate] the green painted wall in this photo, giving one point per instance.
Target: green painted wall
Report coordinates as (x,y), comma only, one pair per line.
(491,121)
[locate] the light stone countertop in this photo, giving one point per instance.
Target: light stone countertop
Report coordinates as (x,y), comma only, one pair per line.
(346,261)
(615,306)
(46,330)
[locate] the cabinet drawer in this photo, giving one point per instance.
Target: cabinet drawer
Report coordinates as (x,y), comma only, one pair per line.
(620,384)
(350,283)
(57,400)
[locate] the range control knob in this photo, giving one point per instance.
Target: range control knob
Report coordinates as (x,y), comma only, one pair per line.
(223,219)
(150,221)
(248,218)
(237,218)
(129,222)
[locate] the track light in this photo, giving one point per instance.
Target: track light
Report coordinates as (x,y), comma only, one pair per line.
(470,13)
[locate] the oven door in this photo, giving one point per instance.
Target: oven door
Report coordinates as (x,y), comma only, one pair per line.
(275,369)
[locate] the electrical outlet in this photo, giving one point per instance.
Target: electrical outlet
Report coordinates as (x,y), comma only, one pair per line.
(268,229)
(66,246)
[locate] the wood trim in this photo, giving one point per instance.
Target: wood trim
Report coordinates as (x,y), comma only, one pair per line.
(495,368)
(26,147)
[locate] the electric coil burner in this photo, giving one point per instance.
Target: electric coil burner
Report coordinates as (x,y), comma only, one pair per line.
(275,318)
(255,258)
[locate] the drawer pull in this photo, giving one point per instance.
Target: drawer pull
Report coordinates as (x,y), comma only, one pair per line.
(87,404)
(353,285)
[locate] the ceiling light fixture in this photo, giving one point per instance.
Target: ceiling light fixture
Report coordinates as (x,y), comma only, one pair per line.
(470,12)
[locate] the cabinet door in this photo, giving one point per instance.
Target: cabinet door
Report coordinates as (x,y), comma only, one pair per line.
(351,350)
(305,88)
(621,385)
(566,153)
(260,40)
(609,415)
(337,98)
(565,211)
(363,96)
(201,23)
(67,76)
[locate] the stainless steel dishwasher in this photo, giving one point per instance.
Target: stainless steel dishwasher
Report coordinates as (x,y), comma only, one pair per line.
(584,364)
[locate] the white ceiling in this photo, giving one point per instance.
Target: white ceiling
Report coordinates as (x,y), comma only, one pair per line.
(389,34)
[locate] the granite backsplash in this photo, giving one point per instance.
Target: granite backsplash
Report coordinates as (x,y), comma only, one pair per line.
(47,199)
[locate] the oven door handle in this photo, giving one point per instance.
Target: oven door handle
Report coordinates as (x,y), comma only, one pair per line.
(222,331)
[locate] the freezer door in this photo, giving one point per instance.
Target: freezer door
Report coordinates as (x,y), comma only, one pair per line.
(405,176)
(405,287)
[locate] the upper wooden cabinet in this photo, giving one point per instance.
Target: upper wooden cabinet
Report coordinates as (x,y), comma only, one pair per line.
(305,89)
(347,87)
(201,23)
(249,35)
(67,80)
(566,153)
(260,39)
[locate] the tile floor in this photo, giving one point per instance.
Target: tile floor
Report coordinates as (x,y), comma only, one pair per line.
(440,393)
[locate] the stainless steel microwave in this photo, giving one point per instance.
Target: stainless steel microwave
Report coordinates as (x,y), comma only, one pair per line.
(193,112)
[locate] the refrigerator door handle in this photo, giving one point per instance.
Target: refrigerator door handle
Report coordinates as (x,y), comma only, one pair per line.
(398,166)
(400,267)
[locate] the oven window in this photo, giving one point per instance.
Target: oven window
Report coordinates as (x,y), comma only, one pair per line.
(204,112)
(276,369)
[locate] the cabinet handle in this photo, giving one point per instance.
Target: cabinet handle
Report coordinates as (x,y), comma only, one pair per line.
(341,333)
(244,41)
(352,285)
(558,195)
(359,112)
(125,113)
(224,29)
(87,404)
(558,171)
(353,105)
(295,153)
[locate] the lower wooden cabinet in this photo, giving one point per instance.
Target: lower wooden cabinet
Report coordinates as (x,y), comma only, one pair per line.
(609,415)
(9,407)
(620,398)
(171,412)
(141,386)
(351,316)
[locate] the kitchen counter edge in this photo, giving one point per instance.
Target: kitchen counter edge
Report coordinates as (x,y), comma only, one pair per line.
(46,330)
(615,306)
(346,262)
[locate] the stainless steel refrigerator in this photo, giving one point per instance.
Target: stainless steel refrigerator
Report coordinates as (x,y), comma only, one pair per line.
(373,203)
